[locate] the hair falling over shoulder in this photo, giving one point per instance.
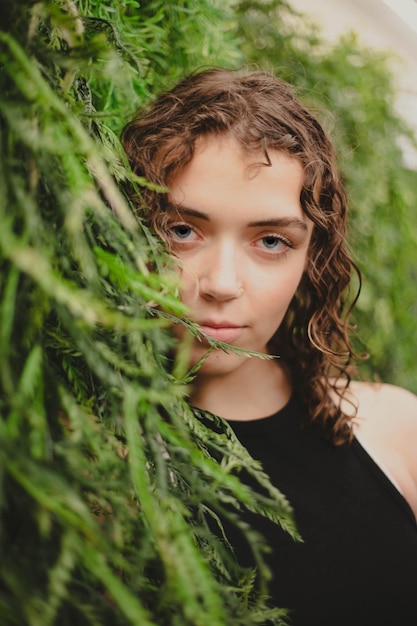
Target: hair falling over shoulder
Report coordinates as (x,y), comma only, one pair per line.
(262,113)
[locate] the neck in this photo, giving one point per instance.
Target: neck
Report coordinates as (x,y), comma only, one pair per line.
(255,390)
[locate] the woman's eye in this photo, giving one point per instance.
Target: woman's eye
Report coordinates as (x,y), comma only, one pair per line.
(181,232)
(274,243)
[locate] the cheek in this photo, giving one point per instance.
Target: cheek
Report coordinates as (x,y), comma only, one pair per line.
(281,287)
(188,289)
(275,297)
(188,282)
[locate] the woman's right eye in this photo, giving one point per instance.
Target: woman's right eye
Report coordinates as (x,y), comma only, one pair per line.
(180,232)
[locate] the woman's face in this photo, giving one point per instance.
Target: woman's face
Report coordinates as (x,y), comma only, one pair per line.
(241,238)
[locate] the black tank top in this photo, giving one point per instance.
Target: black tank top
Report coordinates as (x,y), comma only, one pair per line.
(358,563)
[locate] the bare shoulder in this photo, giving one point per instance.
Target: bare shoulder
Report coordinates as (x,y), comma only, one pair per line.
(386,424)
(388,406)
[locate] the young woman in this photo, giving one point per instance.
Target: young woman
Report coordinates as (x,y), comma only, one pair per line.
(255,215)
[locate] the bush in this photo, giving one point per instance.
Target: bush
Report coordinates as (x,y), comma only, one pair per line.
(110,484)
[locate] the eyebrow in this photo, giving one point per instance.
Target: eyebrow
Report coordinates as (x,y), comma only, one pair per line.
(282,222)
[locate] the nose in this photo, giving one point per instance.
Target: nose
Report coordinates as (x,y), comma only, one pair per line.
(220,273)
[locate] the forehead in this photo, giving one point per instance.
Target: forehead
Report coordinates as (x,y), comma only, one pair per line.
(210,149)
(223,173)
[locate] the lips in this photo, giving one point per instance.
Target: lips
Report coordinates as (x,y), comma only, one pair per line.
(223,331)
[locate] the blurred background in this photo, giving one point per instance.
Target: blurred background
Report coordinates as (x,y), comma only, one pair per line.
(378,28)
(389,25)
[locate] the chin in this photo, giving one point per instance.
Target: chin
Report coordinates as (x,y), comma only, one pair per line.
(219,363)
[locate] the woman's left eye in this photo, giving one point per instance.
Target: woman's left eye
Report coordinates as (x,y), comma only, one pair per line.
(274,243)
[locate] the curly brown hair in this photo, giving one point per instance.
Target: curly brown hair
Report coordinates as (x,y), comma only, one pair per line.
(262,113)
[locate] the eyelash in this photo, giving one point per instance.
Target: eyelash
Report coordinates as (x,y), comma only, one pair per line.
(277,239)
(174,227)
(178,240)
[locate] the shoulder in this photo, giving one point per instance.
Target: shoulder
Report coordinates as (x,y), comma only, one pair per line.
(381,405)
(386,424)
(387,405)
(377,401)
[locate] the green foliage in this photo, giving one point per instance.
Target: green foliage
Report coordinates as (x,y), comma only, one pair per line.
(352,90)
(110,485)
(154,43)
